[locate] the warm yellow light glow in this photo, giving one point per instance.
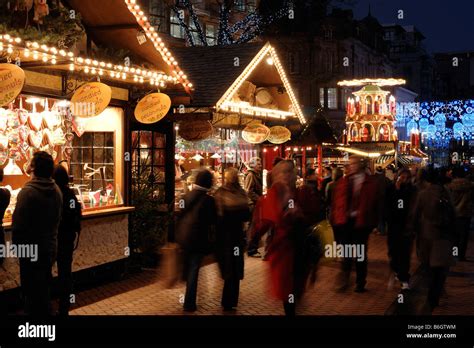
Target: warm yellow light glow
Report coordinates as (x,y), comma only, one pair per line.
(267,49)
(247,109)
(359,152)
(370,81)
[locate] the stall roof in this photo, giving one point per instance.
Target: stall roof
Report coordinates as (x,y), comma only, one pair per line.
(318,131)
(218,72)
(117,23)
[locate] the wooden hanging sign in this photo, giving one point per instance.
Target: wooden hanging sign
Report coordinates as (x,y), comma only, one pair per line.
(279,135)
(12,79)
(152,108)
(91,99)
(255,133)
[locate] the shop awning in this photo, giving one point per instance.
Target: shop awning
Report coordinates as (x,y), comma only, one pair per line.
(117,23)
(317,131)
(386,160)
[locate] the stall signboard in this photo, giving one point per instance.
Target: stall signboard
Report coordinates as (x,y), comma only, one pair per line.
(12,79)
(279,135)
(152,108)
(90,99)
(195,130)
(255,133)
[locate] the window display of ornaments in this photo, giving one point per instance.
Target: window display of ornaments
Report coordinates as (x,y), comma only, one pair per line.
(3,142)
(35,121)
(12,168)
(35,138)
(3,156)
(3,119)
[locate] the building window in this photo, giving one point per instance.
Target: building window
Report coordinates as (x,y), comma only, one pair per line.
(251,5)
(93,150)
(176,30)
(211,34)
(321,97)
(328,34)
(294,62)
(157,15)
(239,5)
(332,98)
(194,33)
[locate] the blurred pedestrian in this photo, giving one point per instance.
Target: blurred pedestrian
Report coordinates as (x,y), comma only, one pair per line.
(433,218)
(68,237)
(383,184)
(194,232)
(232,212)
(4,202)
(354,212)
(253,185)
(289,212)
(400,198)
(35,222)
(462,194)
(269,173)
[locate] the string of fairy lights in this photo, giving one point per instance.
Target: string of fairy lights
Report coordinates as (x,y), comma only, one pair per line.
(18,50)
(226,104)
(158,43)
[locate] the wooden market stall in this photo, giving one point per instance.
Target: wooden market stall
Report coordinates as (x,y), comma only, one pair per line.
(242,99)
(80,109)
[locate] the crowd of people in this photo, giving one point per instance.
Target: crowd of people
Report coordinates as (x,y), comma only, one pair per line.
(424,208)
(47,217)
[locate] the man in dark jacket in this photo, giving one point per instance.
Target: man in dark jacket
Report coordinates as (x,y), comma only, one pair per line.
(399,201)
(254,186)
(4,202)
(196,224)
(35,222)
(354,213)
(462,195)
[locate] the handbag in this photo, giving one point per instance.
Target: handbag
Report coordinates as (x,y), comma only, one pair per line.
(441,253)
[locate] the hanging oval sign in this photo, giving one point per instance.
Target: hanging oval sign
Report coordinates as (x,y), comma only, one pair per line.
(279,135)
(195,130)
(90,99)
(12,79)
(255,133)
(152,108)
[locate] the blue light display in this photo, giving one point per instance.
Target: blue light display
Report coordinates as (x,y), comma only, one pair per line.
(438,122)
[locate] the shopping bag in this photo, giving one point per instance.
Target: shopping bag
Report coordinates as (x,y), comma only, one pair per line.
(172,265)
(441,254)
(324,232)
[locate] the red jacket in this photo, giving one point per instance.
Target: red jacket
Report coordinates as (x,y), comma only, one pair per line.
(367,212)
(269,214)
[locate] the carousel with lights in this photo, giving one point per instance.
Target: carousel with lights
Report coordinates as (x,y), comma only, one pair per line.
(370,124)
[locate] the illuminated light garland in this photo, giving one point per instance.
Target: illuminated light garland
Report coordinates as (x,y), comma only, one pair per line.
(142,20)
(267,49)
(49,55)
(369,81)
(359,152)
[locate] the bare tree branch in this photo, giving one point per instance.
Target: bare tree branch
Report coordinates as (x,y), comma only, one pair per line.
(189,37)
(195,20)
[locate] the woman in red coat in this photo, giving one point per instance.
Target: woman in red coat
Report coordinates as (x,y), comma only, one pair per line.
(287,211)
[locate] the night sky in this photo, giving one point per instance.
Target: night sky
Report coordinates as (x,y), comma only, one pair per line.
(448,25)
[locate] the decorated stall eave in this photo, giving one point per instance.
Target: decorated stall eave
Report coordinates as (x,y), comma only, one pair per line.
(117,23)
(217,73)
(316,131)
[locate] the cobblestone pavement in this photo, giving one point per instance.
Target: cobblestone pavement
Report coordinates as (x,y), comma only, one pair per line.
(145,293)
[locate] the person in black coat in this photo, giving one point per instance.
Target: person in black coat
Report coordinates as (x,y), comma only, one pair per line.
(400,197)
(195,226)
(68,233)
(233,211)
(35,223)
(4,202)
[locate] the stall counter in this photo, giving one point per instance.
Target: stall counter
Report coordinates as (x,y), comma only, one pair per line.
(103,239)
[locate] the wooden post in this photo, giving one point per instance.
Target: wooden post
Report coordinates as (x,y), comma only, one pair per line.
(320,165)
(303,169)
